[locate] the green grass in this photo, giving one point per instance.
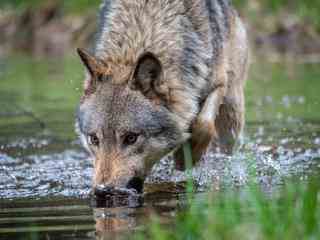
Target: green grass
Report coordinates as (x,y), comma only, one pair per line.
(291,213)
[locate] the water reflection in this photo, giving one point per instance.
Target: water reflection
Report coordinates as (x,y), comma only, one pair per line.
(113,224)
(61,218)
(122,222)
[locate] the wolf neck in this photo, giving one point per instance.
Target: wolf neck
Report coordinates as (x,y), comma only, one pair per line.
(173,31)
(128,28)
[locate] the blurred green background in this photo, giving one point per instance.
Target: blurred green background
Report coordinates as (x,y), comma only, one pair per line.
(306,10)
(284,25)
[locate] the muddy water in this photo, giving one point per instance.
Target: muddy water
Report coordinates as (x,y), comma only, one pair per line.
(45,175)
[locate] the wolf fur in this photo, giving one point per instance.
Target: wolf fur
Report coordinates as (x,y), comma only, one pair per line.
(164,72)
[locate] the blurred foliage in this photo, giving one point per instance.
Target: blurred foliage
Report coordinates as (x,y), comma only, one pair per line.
(306,10)
(70,6)
(275,5)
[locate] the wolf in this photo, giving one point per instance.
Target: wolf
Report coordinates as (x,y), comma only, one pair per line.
(161,73)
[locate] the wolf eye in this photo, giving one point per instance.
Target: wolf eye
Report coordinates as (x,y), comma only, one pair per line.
(130,138)
(94,140)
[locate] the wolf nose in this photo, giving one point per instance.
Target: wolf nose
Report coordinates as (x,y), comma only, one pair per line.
(135,183)
(102,191)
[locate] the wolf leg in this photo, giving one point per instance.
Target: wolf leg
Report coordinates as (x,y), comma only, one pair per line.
(204,129)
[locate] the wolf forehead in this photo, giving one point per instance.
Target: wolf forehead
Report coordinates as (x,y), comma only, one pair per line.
(118,108)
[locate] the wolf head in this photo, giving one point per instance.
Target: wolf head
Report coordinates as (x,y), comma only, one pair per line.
(123,119)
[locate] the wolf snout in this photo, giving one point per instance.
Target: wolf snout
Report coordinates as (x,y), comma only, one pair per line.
(133,187)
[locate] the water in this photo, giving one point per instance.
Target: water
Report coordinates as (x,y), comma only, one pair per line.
(45,175)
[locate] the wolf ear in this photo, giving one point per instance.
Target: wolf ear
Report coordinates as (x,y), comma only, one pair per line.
(97,70)
(148,75)
(90,62)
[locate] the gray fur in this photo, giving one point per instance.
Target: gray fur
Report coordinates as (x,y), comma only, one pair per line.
(192,87)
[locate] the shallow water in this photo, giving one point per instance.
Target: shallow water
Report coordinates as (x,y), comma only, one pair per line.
(45,175)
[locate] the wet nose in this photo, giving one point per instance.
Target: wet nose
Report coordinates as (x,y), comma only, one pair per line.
(135,183)
(103,191)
